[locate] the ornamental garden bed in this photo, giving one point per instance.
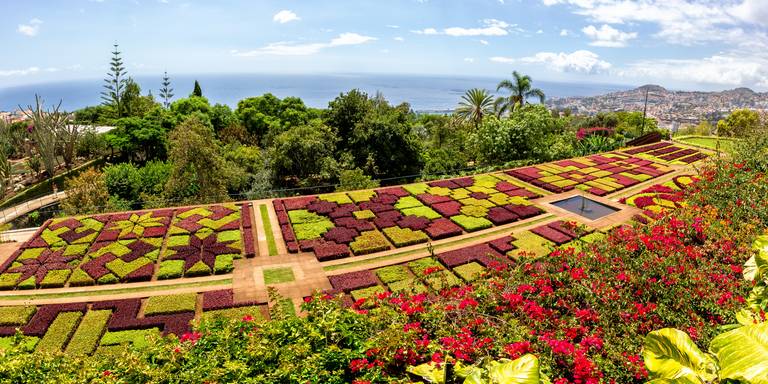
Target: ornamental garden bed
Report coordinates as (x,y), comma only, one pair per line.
(339,225)
(660,197)
(77,329)
(666,152)
(132,246)
(453,268)
(597,174)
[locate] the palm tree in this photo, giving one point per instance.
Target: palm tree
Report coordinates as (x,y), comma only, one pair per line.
(520,88)
(474,105)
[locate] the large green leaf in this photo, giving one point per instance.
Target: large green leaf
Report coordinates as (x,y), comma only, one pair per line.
(524,370)
(682,380)
(743,354)
(670,354)
(757,266)
(429,372)
(758,297)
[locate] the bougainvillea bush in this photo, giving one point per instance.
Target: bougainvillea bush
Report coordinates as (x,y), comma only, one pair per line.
(361,222)
(126,247)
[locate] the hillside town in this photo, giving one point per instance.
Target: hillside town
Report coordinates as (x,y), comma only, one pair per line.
(672,109)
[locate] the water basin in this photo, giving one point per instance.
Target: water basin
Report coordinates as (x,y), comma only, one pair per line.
(585,207)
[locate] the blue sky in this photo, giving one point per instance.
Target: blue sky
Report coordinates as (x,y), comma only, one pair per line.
(691,44)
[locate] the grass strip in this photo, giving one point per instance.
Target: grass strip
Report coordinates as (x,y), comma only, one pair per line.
(436,247)
(271,245)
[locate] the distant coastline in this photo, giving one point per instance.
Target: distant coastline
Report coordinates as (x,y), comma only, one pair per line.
(424,93)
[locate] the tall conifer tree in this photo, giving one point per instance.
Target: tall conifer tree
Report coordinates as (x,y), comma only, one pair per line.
(115,83)
(197,91)
(166,92)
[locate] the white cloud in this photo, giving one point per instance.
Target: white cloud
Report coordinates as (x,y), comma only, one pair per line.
(490,27)
(684,22)
(607,36)
(31,29)
(469,59)
(483,42)
(723,70)
(285,16)
(393,26)
(580,61)
(283,48)
(565,32)
(398,38)
(539,32)
(19,72)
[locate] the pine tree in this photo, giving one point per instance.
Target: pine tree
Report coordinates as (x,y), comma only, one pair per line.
(166,92)
(115,83)
(197,91)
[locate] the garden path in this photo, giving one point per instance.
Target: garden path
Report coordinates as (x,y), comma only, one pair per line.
(9,214)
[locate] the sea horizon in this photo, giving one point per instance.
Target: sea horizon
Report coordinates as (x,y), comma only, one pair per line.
(424,93)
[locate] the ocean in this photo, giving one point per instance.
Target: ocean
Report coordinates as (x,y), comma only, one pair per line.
(424,93)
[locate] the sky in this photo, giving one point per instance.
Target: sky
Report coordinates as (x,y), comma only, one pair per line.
(682,44)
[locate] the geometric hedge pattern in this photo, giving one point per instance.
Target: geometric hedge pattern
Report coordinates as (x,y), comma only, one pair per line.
(131,246)
(361,222)
(459,266)
(597,174)
(76,329)
(666,152)
(660,197)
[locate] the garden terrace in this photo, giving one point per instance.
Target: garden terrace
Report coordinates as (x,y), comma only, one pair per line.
(102,326)
(597,174)
(459,266)
(132,246)
(338,225)
(659,197)
(666,152)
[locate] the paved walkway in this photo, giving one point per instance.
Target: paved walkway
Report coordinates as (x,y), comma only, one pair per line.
(9,214)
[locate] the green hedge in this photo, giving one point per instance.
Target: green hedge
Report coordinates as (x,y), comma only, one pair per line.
(88,334)
(16,315)
(46,187)
(137,337)
(369,242)
(224,264)
(170,304)
(392,273)
(27,343)
(170,269)
(59,332)
(419,266)
(233,313)
(469,272)
(471,224)
(402,237)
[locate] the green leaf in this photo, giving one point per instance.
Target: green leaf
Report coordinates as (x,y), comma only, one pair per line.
(524,370)
(670,354)
(743,354)
(748,317)
(428,372)
(756,268)
(681,380)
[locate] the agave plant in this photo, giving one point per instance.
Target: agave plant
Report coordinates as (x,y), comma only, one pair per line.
(524,370)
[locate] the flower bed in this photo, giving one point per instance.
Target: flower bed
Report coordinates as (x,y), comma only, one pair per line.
(666,152)
(126,246)
(658,198)
(597,174)
(346,223)
(77,330)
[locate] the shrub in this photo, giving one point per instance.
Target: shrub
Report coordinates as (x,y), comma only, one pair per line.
(16,315)
(87,335)
(469,272)
(366,293)
(224,264)
(138,338)
(233,314)
(198,269)
(420,266)
(80,278)
(170,269)
(402,237)
(59,332)
(392,273)
(23,343)
(471,224)
(422,211)
(170,304)
(308,225)
(369,242)
(353,280)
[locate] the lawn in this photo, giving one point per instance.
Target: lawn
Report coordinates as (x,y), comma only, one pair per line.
(713,142)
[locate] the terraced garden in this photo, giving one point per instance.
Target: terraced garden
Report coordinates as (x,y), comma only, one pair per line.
(452,232)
